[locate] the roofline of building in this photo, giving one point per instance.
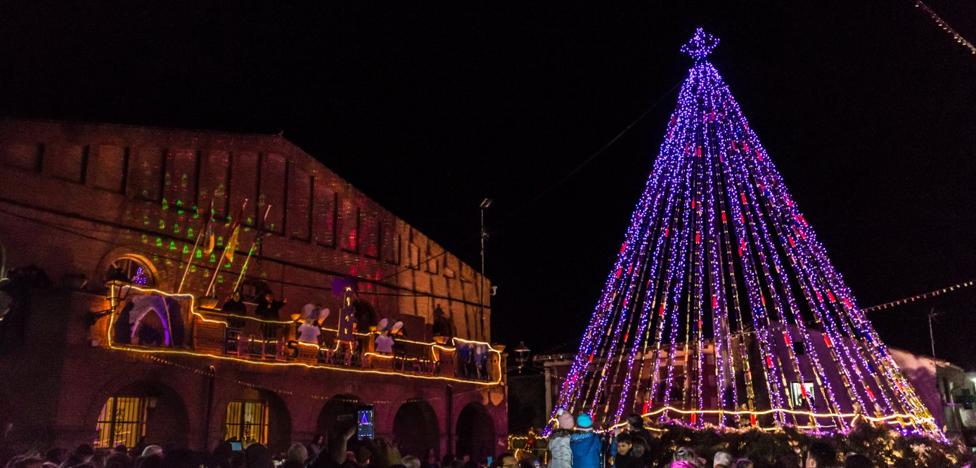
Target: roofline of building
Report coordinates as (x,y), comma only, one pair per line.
(269,138)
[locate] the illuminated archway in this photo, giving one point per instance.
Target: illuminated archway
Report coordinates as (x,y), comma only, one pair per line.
(148,412)
(259,416)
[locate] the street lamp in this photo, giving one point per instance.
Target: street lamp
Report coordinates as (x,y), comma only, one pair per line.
(485,204)
(521,356)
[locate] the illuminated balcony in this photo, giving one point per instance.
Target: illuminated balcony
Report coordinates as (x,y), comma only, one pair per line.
(142,320)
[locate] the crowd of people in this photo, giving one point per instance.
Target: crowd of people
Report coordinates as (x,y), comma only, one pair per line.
(322,452)
(574,444)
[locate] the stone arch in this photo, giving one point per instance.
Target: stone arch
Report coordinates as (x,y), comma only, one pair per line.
(337,412)
(275,417)
(475,432)
(166,420)
(122,254)
(415,428)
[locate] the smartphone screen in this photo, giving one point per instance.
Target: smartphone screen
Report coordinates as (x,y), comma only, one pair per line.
(236,446)
(364,423)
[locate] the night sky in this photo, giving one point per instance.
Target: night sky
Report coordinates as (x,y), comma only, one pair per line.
(866,107)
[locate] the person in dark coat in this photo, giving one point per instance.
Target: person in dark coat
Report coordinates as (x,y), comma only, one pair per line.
(442,324)
(268,309)
(235,305)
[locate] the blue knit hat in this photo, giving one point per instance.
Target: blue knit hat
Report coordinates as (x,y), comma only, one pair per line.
(584,421)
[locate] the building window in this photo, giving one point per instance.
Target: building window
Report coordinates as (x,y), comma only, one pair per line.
(132,269)
(247,421)
(122,421)
(800,394)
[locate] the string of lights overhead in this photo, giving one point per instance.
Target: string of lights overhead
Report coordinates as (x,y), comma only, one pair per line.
(921,297)
(958,38)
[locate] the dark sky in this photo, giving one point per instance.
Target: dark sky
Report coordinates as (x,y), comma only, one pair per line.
(866,107)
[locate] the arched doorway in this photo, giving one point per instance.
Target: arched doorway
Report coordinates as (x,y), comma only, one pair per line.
(415,428)
(338,413)
(142,412)
(475,433)
(259,416)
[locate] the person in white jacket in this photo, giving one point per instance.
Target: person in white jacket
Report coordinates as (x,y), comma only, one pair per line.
(559,450)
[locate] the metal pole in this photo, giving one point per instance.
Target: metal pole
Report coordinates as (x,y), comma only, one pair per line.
(481,290)
(931,334)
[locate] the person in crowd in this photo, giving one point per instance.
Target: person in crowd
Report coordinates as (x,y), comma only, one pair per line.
(623,457)
(746,463)
(151,450)
(182,458)
(222,456)
(151,461)
(559,447)
(410,461)
(722,460)
(856,460)
(26,461)
(118,460)
(585,443)
(430,459)
(334,456)
(54,457)
(505,460)
(297,453)
(635,427)
(448,460)
(820,455)
(81,456)
(685,457)
(316,447)
(442,324)
(258,456)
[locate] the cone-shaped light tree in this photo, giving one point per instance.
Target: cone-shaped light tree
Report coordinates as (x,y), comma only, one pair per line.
(722,307)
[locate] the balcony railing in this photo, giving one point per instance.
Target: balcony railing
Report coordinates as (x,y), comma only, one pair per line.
(154,321)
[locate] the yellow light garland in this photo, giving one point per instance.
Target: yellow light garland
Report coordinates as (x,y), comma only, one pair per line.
(193,309)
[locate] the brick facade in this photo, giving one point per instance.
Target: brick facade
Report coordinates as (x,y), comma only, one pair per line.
(76,197)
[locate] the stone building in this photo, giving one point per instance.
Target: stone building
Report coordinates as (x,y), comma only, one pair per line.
(86,203)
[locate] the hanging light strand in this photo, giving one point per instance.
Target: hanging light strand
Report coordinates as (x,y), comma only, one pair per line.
(945,27)
(921,297)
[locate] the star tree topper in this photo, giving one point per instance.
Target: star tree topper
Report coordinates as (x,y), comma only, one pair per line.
(700,45)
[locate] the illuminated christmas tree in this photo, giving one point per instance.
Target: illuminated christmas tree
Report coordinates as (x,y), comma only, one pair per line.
(722,308)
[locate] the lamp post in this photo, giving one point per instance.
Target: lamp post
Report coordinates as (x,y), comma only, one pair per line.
(932,314)
(485,204)
(521,356)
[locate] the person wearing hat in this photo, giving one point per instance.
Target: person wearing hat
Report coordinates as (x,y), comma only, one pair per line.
(585,444)
(559,441)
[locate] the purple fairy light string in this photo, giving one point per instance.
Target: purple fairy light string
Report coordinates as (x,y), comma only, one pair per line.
(718,260)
